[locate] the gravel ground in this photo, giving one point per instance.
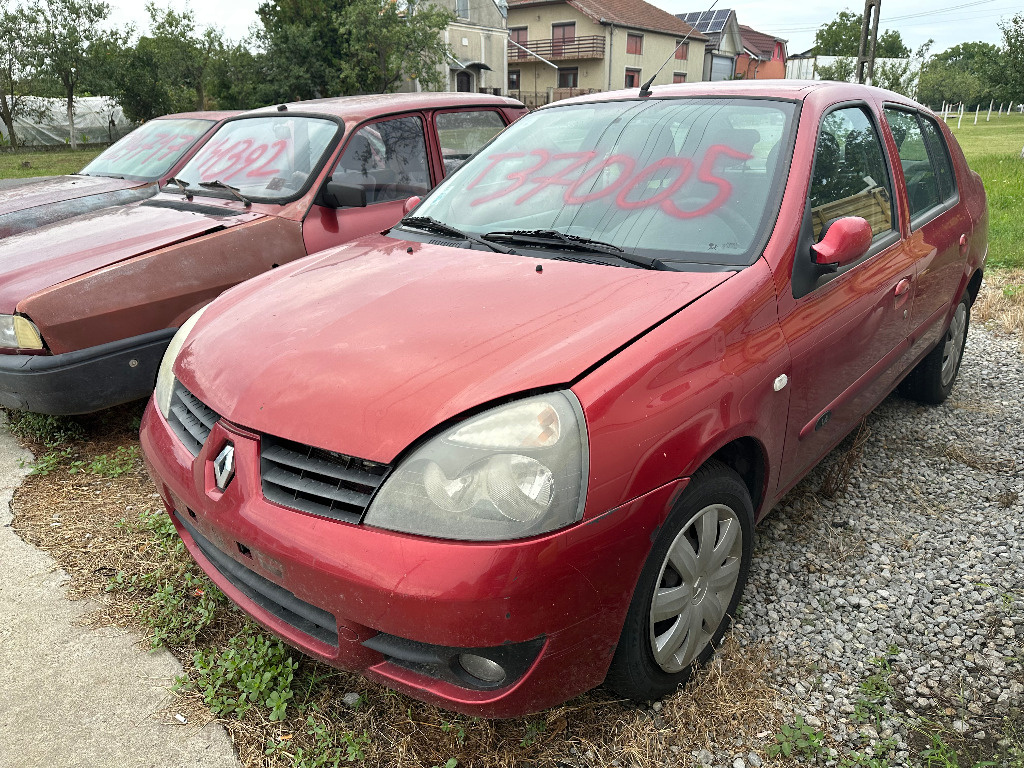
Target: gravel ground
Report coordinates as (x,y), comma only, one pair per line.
(918,565)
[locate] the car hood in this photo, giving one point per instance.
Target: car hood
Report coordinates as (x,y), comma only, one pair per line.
(363,349)
(60,189)
(32,261)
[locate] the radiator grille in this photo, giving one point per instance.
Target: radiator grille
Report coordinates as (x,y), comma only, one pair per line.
(190,418)
(318,481)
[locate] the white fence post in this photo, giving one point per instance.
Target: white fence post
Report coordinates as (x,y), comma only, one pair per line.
(977,111)
(990,110)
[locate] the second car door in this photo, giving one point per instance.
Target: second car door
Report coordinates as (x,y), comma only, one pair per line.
(846,329)
(388,159)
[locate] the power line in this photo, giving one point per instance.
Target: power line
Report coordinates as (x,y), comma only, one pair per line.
(949,9)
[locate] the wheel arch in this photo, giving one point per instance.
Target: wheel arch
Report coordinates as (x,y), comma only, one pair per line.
(746,456)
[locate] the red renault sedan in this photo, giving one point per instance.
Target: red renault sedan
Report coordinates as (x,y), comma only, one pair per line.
(515,447)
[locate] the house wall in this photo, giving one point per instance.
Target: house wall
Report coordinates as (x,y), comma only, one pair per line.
(607,73)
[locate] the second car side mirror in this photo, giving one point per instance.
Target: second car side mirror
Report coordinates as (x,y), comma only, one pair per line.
(338,194)
(411,203)
(845,240)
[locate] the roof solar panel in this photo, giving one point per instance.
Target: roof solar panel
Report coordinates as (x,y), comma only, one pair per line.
(707,21)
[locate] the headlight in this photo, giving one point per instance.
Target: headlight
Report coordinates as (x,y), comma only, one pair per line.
(19,333)
(516,470)
(165,377)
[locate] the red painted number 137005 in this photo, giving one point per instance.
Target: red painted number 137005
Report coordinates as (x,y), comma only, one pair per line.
(534,178)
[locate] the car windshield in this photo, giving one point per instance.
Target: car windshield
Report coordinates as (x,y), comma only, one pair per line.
(148,152)
(268,159)
(690,181)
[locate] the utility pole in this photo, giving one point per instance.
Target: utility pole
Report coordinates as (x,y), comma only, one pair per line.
(868,38)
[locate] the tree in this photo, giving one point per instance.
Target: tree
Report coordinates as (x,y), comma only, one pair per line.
(388,42)
(360,46)
(959,74)
(67,28)
(16,71)
(186,53)
(842,69)
(1006,75)
(841,37)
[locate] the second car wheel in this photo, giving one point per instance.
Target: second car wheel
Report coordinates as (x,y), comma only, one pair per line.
(689,587)
(933,378)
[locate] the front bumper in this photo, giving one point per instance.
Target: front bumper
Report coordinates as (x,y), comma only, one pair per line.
(86,380)
(344,593)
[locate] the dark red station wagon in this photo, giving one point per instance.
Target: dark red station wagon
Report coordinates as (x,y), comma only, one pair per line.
(516,447)
(88,304)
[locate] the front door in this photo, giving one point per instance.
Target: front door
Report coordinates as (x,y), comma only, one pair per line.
(463,82)
(846,330)
(388,159)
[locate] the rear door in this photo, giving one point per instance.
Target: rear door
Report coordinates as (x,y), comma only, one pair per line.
(846,329)
(938,222)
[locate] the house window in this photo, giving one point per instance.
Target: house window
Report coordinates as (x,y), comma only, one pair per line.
(561,36)
(462,9)
(778,52)
(632,78)
(682,50)
(678,77)
(569,77)
(513,79)
(519,35)
(634,44)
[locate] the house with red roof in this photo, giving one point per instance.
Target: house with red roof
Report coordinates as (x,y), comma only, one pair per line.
(763,57)
(562,48)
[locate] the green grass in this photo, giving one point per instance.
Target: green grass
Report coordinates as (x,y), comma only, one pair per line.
(993,149)
(54,163)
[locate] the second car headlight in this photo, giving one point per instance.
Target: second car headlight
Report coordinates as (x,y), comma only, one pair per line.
(17,332)
(165,376)
(517,470)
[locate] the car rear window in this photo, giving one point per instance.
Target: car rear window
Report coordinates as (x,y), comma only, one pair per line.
(148,152)
(683,180)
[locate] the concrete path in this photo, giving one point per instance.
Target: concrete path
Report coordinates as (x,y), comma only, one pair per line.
(73,696)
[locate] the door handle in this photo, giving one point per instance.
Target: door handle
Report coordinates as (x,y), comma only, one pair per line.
(963,245)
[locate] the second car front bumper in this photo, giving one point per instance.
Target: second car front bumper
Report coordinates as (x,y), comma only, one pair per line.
(399,608)
(85,380)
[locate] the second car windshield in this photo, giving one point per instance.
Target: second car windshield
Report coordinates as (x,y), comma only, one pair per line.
(148,152)
(268,159)
(682,180)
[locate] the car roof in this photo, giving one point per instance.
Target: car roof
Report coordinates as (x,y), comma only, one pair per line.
(358,107)
(783,89)
(203,115)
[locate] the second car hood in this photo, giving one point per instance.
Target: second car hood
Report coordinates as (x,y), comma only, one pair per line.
(34,260)
(59,189)
(365,348)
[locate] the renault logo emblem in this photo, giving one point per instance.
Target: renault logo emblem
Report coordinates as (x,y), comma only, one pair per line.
(224,466)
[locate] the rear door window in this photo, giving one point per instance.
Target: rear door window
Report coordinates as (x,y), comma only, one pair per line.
(388,159)
(924,159)
(850,174)
(462,133)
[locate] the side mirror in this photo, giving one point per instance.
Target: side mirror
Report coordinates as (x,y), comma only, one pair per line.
(411,203)
(844,241)
(338,194)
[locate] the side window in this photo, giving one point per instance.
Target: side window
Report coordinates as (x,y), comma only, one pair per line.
(923,191)
(463,133)
(388,159)
(850,175)
(938,153)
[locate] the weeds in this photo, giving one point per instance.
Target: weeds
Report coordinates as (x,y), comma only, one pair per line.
(50,431)
(875,688)
(122,461)
(797,740)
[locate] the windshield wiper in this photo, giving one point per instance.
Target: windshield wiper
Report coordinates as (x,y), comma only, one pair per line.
(183,186)
(552,237)
(428,224)
(218,184)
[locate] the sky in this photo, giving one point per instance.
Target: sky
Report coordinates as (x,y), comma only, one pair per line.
(948,22)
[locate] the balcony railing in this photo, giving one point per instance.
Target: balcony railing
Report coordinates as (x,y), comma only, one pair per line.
(584,47)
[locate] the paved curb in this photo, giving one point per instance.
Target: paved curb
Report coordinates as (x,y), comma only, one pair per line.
(73,696)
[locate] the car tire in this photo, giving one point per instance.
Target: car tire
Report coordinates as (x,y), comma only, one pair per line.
(678,615)
(933,378)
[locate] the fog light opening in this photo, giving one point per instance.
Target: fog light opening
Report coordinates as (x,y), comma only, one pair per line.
(482,668)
